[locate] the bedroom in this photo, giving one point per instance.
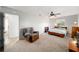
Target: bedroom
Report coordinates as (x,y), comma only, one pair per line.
(38,18)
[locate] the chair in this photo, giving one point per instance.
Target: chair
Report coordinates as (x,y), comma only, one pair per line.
(30,34)
(46,29)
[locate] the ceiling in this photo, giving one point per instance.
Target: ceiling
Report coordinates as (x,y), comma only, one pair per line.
(45,10)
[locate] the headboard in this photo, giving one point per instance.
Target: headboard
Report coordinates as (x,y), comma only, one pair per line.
(62,27)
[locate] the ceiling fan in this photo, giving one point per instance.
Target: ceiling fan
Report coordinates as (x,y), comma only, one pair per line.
(54,14)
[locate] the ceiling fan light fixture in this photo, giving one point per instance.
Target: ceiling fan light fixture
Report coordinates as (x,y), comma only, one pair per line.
(51,17)
(51,14)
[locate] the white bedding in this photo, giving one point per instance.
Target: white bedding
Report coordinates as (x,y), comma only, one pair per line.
(57,30)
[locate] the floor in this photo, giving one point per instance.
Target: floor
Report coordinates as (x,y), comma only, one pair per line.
(46,43)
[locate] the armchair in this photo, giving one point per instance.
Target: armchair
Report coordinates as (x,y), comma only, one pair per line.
(30,34)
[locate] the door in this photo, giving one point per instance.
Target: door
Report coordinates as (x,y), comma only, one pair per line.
(1,31)
(13,26)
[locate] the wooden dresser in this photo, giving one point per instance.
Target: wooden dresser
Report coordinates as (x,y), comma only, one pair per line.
(74,31)
(73,47)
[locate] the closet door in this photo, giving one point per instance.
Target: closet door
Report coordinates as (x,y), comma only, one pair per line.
(13,26)
(1,32)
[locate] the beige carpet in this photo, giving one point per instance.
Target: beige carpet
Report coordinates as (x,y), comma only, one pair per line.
(46,43)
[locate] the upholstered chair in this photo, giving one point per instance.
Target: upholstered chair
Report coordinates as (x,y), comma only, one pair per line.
(30,34)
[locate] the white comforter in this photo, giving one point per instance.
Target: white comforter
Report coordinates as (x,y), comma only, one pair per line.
(61,31)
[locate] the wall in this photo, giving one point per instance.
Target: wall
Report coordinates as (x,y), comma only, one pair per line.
(37,22)
(52,23)
(70,21)
(78,20)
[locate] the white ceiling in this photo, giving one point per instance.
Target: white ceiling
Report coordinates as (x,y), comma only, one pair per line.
(45,10)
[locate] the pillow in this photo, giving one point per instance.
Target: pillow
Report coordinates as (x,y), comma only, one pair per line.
(27,34)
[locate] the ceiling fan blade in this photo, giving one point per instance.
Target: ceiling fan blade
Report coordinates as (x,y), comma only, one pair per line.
(57,13)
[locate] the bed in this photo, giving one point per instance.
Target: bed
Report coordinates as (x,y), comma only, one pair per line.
(60,32)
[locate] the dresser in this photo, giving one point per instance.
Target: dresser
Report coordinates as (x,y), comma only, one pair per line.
(73,47)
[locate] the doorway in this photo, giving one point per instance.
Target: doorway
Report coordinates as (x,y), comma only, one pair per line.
(11,29)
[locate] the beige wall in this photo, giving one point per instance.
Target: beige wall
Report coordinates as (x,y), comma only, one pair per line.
(37,22)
